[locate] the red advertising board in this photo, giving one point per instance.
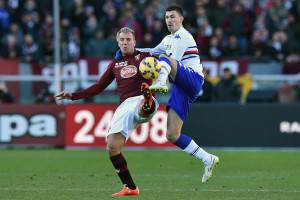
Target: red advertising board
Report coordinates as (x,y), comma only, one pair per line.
(31,125)
(87,125)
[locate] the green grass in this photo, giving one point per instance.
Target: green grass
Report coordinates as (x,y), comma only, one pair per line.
(161,175)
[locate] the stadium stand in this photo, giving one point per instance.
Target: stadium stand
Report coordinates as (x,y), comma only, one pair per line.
(265,31)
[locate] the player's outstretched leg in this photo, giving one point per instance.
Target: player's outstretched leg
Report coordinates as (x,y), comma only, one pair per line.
(115,143)
(160,83)
(188,145)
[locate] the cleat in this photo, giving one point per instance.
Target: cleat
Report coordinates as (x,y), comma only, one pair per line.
(126,191)
(158,87)
(148,101)
(209,167)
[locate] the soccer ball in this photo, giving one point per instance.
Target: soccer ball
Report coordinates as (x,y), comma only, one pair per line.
(150,68)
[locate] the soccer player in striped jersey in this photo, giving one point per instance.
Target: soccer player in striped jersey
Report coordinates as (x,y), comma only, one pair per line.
(179,57)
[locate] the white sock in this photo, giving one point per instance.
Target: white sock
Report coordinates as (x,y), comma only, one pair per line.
(164,72)
(196,151)
(165,65)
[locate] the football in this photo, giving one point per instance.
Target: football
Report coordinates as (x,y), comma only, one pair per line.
(149,68)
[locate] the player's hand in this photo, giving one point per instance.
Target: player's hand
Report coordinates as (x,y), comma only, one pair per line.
(63,95)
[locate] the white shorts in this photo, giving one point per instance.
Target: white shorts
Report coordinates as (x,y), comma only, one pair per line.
(126,118)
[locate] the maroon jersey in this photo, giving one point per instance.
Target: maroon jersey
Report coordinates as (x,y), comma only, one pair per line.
(126,73)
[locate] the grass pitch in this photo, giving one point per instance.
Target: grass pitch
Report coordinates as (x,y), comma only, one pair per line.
(161,175)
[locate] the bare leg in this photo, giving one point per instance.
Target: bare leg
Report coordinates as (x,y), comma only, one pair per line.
(174,125)
(115,143)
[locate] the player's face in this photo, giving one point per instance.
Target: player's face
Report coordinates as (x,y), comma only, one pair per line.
(173,20)
(126,42)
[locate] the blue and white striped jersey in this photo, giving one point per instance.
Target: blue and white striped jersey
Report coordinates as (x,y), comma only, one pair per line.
(182,47)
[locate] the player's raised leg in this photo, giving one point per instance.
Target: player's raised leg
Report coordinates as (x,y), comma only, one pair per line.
(188,145)
(168,66)
(115,143)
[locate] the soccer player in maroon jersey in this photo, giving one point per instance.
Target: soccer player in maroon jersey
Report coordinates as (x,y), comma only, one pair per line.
(137,103)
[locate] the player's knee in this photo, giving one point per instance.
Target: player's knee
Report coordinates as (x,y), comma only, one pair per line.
(172,135)
(112,149)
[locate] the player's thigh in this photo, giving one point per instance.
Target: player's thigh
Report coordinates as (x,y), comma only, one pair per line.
(188,80)
(173,68)
(174,123)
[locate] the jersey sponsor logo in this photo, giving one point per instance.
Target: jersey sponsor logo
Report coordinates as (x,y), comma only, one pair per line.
(128,71)
(177,36)
(121,64)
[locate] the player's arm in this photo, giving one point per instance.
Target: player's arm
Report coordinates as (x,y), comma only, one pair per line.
(91,91)
(156,51)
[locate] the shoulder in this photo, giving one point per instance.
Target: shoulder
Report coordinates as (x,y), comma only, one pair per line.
(167,37)
(186,33)
(112,64)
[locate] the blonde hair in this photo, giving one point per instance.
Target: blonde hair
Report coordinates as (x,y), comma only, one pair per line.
(125,30)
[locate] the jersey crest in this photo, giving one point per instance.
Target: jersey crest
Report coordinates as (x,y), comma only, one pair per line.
(137,57)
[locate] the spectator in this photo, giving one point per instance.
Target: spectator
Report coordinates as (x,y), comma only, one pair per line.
(91,24)
(30,49)
(278,46)
(45,96)
(15,30)
(232,49)
(278,15)
(287,93)
(4,18)
(228,89)
(259,48)
(5,95)
(78,16)
(237,26)
(157,33)
(220,14)
(108,22)
(47,47)
(99,46)
(214,49)
(73,46)
(10,49)
(128,20)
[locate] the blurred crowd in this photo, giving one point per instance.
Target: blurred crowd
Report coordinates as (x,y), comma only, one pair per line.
(258,29)
(222,28)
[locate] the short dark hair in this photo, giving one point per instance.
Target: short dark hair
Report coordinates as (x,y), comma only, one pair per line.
(176,8)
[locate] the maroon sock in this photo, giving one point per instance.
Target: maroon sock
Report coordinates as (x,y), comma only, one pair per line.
(120,165)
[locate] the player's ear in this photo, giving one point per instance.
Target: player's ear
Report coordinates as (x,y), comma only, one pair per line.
(181,18)
(134,41)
